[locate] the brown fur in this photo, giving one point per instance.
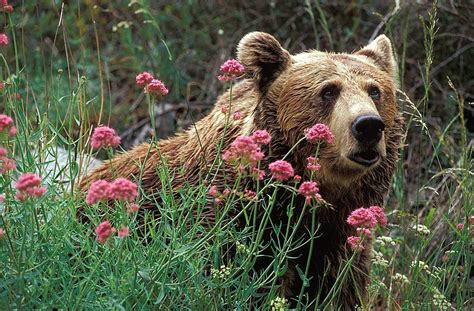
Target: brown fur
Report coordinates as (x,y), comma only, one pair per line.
(281,93)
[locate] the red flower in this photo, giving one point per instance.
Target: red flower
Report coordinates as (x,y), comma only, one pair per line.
(29,185)
(261,137)
(123,231)
(103,231)
(379,214)
(313,164)
(281,170)
(156,87)
(6,165)
(362,217)
(354,243)
(5,122)
(244,154)
(98,190)
(104,136)
(143,79)
(123,189)
(319,132)
(310,190)
(3,39)
(231,69)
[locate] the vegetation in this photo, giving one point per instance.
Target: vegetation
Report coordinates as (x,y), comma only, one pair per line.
(70,67)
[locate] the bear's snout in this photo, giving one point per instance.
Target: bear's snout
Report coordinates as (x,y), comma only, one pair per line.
(367,130)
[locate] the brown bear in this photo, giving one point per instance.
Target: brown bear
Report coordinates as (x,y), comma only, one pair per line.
(354,94)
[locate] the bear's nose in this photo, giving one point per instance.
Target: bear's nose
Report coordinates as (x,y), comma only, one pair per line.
(367,129)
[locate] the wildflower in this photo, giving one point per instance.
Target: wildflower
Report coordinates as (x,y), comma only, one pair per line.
(237,115)
(98,190)
(297,178)
(156,87)
(123,189)
(319,132)
(471,220)
(244,154)
(241,248)
(231,69)
(8,8)
(363,231)
(143,79)
(310,190)
(3,152)
(133,208)
(278,304)
(440,301)
(2,233)
(378,259)
(400,278)
(421,229)
(6,165)
(379,214)
(221,273)
(383,240)
(250,195)
(355,243)
(12,131)
(123,231)
(3,39)
(2,86)
(226,192)
(104,136)
(213,191)
(103,231)
(362,217)
(313,164)
(5,121)
(460,226)
(2,197)
(261,137)
(29,185)
(281,170)
(420,264)
(224,109)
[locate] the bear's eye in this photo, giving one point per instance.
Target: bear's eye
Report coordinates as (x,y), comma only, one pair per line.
(374,93)
(330,92)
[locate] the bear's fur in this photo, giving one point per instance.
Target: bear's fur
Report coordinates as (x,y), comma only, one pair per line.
(286,94)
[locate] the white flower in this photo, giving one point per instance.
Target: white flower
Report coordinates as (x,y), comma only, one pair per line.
(378,259)
(278,304)
(384,240)
(400,278)
(421,229)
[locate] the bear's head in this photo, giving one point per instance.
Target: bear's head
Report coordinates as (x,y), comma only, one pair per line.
(354,94)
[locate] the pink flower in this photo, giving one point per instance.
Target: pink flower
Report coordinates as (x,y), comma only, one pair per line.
(156,87)
(2,233)
(103,231)
(379,214)
(123,231)
(8,8)
(231,69)
(3,152)
(237,115)
(362,217)
(123,189)
(98,191)
(2,197)
(143,79)
(2,86)
(133,208)
(363,231)
(460,226)
(104,136)
(3,39)
(213,191)
(244,154)
(354,243)
(319,132)
(281,170)
(297,178)
(226,192)
(5,122)
(12,131)
(224,109)
(250,195)
(6,165)
(313,164)
(310,190)
(261,137)
(29,185)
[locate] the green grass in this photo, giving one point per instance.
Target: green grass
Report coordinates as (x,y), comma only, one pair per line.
(75,74)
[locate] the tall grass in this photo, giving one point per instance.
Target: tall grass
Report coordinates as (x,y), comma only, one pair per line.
(49,259)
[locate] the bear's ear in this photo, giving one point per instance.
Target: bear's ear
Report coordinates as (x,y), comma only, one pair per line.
(263,57)
(380,53)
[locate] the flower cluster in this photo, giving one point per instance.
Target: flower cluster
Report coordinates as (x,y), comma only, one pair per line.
(231,69)
(364,219)
(221,273)
(310,190)
(319,132)
(421,229)
(5,7)
(261,137)
(29,186)
(281,170)
(313,164)
(3,39)
(278,304)
(244,153)
(104,137)
(103,231)
(6,123)
(119,189)
(218,196)
(152,86)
